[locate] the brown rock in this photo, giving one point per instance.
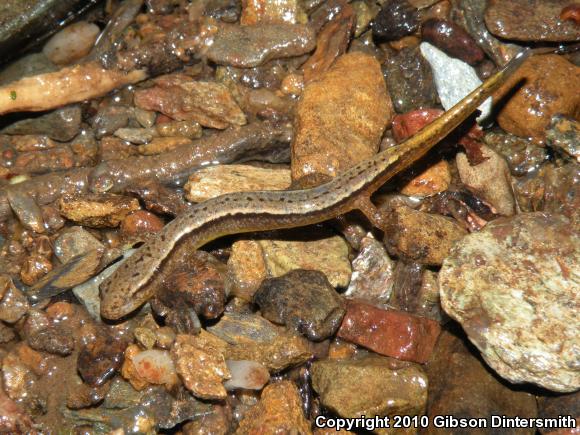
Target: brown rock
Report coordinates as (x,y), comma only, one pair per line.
(56,339)
(182,98)
(489,180)
(253,261)
(100,359)
(341,117)
(433,180)
(389,332)
(461,385)
(547,90)
(452,39)
(160,145)
(75,241)
(279,411)
(201,366)
(34,268)
(422,237)
(187,129)
(221,179)
(370,386)
(272,12)
(530,20)
(141,222)
(13,303)
(98,210)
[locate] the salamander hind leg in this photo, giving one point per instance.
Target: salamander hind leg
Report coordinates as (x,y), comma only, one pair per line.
(376,217)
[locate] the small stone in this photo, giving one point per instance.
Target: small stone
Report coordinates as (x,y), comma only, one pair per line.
(141,222)
(372,275)
(514,289)
(201,366)
(145,118)
(221,179)
(433,180)
(389,332)
(409,81)
(34,268)
(109,119)
(530,20)
(257,12)
(55,339)
(13,303)
(61,124)
(99,360)
(460,384)
(302,300)
(340,349)
(84,396)
(397,18)
(71,43)
(454,79)
(164,336)
(452,39)
(161,145)
(136,135)
(348,104)
(422,237)
(128,370)
(279,411)
(145,337)
(155,366)
(182,98)
(27,210)
(523,156)
(370,386)
(545,92)
(247,375)
(564,135)
(188,129)
(251,46)
(489,180)
(98,210)
(75,241)
(253,261)
(253,338)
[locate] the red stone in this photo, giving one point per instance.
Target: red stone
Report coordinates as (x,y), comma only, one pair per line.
(408,124)
(389,332)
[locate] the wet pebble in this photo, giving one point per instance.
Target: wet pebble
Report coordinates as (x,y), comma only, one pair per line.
(326,119)
(489,180)
(389,332)
(256,12)
(250,46)
(187,129)
(564,135)
(98,210)
(111,118)
(136,135)
(218,180)
(454,79)
(546,92)
(279,411)
(514,289)
(302,300)
(370,386)
(99,360)
(34,268)
(155,366)
(397,18)
(522,155)
(141,222)
(27,210)
(84,396)
(452,39)
(252,261)
(13,303)
(75,241)
(461,384)
(61,124)
(423,237)
(409,81)
(247,375)
(200,363)
(56,339)
(253,338)
(71,43)
(530,20)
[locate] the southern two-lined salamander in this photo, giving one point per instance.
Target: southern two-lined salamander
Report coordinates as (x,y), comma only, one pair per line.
(132,284)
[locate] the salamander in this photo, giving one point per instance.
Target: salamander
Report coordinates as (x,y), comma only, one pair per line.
(133,282)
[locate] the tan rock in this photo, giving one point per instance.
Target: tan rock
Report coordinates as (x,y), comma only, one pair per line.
(431,181)
(549,86)
(490,180)
(98,211)
(272,12)
(423,237)
(252,261)
(341,117)
(279,411)
(201,365)
(218,180)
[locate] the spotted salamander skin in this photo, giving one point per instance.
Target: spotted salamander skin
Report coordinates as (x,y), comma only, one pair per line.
(133,283)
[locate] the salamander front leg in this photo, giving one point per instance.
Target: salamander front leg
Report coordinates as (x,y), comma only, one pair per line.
(376,217)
